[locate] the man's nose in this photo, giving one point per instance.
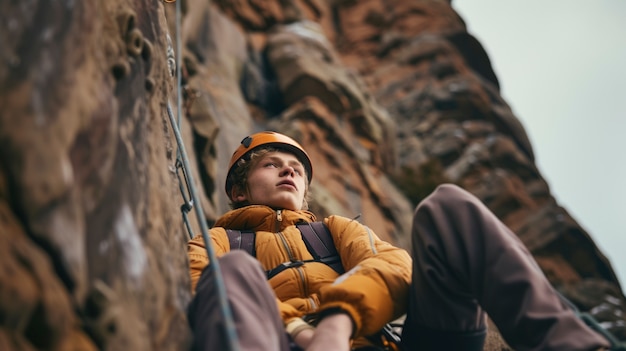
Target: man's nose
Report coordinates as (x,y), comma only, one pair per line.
(287,170)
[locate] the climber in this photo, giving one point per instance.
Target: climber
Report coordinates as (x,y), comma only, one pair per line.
(466,263)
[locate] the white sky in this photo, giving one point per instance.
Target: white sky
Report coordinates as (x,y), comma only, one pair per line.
(562,69)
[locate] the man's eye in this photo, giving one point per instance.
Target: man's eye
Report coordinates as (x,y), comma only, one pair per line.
(270,164)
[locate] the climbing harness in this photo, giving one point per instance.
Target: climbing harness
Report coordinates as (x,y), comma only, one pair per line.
(182,164)
(318,241)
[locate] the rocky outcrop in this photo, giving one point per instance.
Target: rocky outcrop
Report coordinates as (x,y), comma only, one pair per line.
(390,99)
(93,252)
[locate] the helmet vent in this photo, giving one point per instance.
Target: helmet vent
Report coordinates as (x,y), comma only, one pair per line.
(246,141)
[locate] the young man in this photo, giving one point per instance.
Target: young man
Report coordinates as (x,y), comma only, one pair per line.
(465,263)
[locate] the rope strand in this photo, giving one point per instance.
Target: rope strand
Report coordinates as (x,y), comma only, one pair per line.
(182,161)
(229,324)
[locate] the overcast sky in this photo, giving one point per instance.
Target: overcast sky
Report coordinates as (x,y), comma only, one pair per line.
(562,69)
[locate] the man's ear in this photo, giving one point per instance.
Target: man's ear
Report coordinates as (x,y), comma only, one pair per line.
(237,194)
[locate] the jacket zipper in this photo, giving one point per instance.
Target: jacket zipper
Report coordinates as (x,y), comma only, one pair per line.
(289,253)
(305,285)
(279,218)
(313,304)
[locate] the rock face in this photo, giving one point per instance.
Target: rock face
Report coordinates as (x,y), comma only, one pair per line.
(390,98)
(93,252)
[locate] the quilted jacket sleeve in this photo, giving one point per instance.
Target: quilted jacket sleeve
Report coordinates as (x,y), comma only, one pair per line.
(198,258)
(375,287)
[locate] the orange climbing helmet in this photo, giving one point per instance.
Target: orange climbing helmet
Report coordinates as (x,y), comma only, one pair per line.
(267,139)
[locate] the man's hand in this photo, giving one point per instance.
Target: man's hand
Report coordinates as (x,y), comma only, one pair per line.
(331,334)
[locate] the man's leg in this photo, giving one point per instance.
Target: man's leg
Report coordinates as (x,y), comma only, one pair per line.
(253,304)
(466,260)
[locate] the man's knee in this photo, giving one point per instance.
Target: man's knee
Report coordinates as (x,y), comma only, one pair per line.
(451,191)
(446,194)
(238,264)
(238,259)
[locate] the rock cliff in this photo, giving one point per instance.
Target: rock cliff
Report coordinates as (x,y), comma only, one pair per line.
(390,98)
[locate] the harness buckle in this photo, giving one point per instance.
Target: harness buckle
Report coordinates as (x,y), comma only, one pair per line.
(281,267)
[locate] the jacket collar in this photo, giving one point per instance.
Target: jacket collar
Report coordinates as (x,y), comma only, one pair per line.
(262,218)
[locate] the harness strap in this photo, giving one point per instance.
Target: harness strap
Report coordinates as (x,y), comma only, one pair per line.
(320,244)
(242,240)
(317,239)
(281,267)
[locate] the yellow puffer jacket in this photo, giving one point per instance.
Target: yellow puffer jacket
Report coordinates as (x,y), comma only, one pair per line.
(373,290)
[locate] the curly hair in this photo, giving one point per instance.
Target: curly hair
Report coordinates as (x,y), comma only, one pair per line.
(239,177)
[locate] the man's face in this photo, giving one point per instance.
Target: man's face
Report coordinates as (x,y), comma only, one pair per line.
(277,180)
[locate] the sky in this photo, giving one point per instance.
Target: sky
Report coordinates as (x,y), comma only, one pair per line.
(562,69)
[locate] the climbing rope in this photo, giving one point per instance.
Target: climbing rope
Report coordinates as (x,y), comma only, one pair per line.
(182,164)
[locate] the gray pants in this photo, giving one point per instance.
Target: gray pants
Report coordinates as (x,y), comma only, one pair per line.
(253,303)
(466,262)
